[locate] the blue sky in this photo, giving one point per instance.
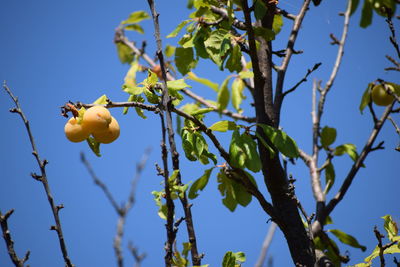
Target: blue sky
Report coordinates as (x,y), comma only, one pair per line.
(55,51)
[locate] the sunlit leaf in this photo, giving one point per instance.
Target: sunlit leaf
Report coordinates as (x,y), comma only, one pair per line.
(237,93)
(184,59)
(203,81)
(252,161)
(223,95)
(236,150)
(347,239)
(102,100)
(329,176)
(284,143)
(390,227)
(136,17)
(233,63)
(278,23)
(223,126)
(124,53)
(200,184)
(176,31)
(94,145)
(366,98)
(177,84)
(328,136)
(169,50)
(349,149)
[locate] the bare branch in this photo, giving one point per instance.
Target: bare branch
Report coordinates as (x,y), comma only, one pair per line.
(288,54)
(122,211)
(266,244)
(138,257)
(42,177)
(99,183)
(309,71)
(393,36)
(9,242)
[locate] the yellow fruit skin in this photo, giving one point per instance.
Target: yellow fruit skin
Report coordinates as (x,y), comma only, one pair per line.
(96,118)
(108,135)
(379,95)
(75,132)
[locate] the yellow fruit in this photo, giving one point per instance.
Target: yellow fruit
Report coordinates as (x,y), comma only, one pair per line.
(96,118)
(108,135)
(75,132)
(380,96)
(157,70)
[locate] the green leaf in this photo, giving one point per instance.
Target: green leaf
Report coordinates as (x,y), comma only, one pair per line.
(223,126)
(265,33)
(253,161)
(223,95)
(233,63)
(169,50)
(130,99)
(260,9)
(226,190)
(230,259)
(354,5)
(136,17)
(236,150)
(329,176)
(217,45)
(240,194)
(200,184)
(136,90)
(198,144)
(151,96)
(349,149)
(184,59)
(246,74)
(94,145)
(177,84)
(134,27)
(175,32)
(237,93)
(102,100)
(139,111)
(366,98)
(187,145)
(366,14)
(390,227)
(124,53)
(203,81)
(284,143)
(347,239)
(162,208)
(270,149)
(201,111)
(328,136)
(278,23)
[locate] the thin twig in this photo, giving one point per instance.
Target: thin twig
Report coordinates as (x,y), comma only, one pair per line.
(99,183)
(288,54)
(393,36)
(309,71)
(42,177)
(138,257)
(265,245)
(9,242)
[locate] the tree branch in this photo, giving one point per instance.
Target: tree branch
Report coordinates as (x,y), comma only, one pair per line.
(265,245)
(317,225)
(122,211)
(9,242)
(288,54)
(196,258)
(42,177)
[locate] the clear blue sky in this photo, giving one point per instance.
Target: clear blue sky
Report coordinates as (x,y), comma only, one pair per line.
(55,51)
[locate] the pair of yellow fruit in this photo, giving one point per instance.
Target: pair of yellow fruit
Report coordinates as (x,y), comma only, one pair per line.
(98,122)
